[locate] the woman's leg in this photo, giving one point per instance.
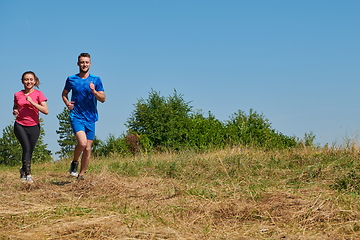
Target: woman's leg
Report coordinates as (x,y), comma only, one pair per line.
(27,137)
(33,135)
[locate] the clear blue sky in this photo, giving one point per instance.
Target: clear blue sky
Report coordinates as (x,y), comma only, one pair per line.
(297,62)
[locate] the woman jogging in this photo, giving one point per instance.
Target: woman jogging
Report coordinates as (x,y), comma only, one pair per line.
(27,104)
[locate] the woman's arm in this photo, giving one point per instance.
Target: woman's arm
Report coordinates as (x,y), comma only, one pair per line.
(15,110)
(42,107)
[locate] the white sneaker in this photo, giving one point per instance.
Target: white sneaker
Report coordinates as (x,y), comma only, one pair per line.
(29,179)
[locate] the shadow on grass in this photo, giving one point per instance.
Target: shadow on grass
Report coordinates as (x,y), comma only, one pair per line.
(61,183)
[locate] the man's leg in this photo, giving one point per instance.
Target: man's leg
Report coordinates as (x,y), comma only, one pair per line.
(81,145)
(85,158)
(79,148)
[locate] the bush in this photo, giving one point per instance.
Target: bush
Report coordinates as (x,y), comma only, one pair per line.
(170,123)
(255,130)
(205,132)
(113,145)
(164,121)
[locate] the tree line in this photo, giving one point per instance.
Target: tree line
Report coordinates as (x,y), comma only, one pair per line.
(161,123)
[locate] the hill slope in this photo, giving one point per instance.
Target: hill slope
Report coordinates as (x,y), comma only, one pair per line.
(234,194)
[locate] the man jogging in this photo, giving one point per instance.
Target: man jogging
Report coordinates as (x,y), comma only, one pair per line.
(86,89)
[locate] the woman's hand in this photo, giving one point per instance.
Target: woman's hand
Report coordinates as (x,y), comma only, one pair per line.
(29,99)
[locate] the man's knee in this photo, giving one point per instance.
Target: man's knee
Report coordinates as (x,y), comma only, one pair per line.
(88,148)
(82,145)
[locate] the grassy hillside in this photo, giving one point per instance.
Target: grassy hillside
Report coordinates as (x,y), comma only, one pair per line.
(237,193)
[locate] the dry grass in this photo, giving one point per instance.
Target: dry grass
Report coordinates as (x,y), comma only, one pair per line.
(149,205)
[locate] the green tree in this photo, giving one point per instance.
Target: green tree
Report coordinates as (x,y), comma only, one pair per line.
(67,140)
(41,153)
(11,151)
(96,147)
(255,129)
(164,121)
(170,122)
(10,148)
(113,145)
(206,132)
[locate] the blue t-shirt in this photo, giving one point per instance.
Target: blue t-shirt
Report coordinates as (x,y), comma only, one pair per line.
(85,102)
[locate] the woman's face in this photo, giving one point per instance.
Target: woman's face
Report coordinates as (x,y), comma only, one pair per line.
(29,81)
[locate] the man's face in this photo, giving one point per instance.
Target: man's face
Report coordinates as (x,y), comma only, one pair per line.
(84,64)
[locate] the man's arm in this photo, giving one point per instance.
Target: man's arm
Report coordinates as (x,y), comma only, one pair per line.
(64,96)
(100,95)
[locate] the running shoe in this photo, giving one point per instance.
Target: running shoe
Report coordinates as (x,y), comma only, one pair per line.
(29,179)
(22,175)
(74,168)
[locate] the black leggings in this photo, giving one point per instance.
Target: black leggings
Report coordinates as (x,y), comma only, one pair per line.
(27,137)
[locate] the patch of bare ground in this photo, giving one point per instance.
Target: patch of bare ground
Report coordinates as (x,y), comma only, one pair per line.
(108,206)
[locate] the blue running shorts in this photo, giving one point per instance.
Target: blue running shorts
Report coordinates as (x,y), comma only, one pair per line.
(80,125)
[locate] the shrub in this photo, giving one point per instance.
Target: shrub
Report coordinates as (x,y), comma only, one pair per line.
(164,121)
(254,129)
(169,123)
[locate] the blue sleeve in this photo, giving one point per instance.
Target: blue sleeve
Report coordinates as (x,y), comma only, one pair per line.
(68,85)
(99,86)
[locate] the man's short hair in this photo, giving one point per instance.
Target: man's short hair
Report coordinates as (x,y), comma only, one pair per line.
(83,55)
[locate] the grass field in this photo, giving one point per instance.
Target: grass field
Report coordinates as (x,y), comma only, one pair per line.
(238,193)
